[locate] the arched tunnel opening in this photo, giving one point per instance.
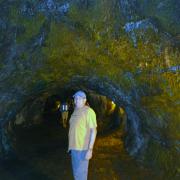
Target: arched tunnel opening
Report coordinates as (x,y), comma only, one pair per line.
(40,141)
(110,118)
(109,115)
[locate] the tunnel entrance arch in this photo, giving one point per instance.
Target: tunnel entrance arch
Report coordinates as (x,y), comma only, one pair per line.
(102,86)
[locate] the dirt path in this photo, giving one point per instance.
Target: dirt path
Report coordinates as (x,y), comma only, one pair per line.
(111,162)
(42,156)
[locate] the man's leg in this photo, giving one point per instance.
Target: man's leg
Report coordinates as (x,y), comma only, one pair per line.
(79,165)
(63,119)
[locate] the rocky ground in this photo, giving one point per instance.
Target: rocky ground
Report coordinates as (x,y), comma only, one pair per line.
(42,156)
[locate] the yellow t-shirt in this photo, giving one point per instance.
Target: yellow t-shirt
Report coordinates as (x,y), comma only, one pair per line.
(81,121)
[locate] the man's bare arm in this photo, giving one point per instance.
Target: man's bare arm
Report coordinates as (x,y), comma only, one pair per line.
(93,133)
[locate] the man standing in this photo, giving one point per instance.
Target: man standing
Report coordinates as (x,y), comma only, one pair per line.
(82,135)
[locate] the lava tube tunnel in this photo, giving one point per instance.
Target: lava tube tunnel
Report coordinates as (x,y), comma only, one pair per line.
(123,56)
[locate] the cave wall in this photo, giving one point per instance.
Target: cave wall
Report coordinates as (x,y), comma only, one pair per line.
(130,44)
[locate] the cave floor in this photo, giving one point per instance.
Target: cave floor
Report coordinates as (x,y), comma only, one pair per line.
(42,155)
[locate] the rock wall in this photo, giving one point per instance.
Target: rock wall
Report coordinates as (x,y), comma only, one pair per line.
(132,45)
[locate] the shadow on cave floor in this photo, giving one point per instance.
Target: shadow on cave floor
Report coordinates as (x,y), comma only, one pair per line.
(42,155)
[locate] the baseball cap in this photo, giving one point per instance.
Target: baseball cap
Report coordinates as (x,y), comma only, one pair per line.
(80,93)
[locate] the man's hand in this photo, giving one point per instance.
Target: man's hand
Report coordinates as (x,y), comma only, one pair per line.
(88,154)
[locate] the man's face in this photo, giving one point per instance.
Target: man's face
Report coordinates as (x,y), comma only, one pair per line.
(79,101)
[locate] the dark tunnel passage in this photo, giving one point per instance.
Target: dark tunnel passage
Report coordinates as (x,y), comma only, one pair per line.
(40,141)
(109,115)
